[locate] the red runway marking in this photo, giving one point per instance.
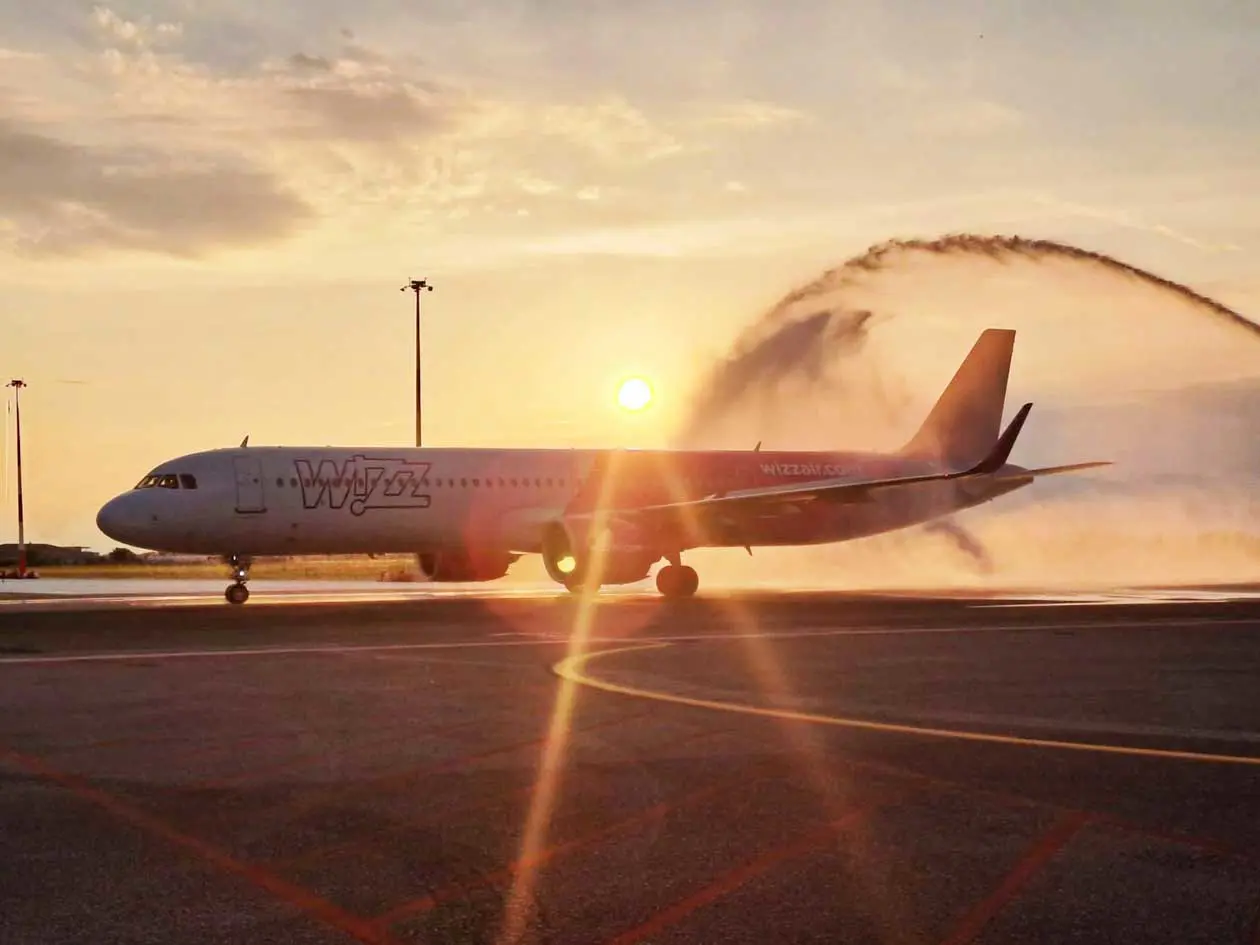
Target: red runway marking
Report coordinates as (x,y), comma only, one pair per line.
(460,890)
(356,927)
(350,846)
(297,762)
(730,881)
(1201,844)
(947,785)
(311,802)
(1035,857)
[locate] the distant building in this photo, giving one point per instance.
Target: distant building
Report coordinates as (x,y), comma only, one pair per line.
(160,557)
(44,555)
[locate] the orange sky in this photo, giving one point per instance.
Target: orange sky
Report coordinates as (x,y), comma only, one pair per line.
(206,209)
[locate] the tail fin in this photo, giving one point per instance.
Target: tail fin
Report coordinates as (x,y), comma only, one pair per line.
(965,422)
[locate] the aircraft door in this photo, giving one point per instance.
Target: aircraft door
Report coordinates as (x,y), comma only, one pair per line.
(249,485)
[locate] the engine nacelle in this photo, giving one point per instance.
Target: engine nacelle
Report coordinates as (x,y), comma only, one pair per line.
(463,566)
(576,554)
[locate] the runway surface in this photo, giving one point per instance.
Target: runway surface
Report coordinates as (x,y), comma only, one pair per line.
(745,768)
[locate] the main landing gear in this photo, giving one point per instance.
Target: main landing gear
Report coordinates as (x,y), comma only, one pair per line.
(237,592)
(677,579)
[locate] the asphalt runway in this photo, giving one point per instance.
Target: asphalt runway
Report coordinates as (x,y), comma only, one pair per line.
(756,768)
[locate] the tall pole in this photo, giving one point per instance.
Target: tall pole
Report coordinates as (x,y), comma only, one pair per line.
(17,386)
(417,286)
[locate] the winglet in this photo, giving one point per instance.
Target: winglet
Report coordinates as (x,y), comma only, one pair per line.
(1001,451)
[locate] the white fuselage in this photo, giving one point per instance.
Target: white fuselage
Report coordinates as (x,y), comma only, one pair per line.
(279,501)
(292,500)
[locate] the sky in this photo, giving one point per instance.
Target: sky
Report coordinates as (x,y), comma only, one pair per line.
(207,207)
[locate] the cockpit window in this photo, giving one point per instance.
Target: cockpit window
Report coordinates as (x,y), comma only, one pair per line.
(168,481)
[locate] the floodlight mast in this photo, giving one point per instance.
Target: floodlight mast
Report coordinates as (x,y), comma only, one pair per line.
(417,286)
(17,386)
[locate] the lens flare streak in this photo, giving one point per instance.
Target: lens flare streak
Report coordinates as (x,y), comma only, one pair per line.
(519,903)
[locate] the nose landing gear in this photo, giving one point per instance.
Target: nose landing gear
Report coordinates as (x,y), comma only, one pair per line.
(237,592)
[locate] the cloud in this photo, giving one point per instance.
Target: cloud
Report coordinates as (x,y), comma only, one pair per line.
(141,34)
(302,61)
(537,186)
(1130,220)
(969,116)
(381,113)
(59,198)
(729,236)
(610,128)
(746,115)
(134,131)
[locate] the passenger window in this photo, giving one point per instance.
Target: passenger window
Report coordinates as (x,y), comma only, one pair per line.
(464,483)
(293,483)
(188,481)
(280,482)
(476,482)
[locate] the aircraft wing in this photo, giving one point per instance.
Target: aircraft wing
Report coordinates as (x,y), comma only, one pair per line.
(776,498)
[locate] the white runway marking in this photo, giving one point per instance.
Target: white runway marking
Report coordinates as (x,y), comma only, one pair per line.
(558,640)
(265,599)
(1121,598)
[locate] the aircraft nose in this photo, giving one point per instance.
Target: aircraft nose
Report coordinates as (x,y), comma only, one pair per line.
(119,519)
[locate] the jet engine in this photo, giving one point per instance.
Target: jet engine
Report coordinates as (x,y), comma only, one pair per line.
(577,553)
(464,566)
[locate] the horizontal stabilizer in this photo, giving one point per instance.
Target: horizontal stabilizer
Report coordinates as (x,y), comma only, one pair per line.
(1054,470)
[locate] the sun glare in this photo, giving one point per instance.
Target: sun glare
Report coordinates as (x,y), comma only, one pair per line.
(634,394)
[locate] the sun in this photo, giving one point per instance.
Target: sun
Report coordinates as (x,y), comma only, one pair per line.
(634,393)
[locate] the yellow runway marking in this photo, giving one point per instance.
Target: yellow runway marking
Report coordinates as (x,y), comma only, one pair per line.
(573,669)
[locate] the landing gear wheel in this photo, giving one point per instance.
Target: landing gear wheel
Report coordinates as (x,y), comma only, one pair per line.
(677,581)
(237,593)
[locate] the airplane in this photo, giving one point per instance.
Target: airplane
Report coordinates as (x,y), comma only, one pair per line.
(597,517)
